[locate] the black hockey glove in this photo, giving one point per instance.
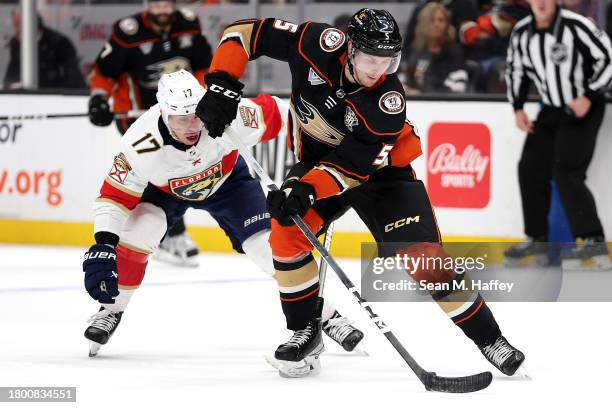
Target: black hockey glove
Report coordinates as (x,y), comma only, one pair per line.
(100,267)
(219,105)
(295,199)
(99,111)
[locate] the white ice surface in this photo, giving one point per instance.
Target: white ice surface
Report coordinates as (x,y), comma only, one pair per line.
(197,337)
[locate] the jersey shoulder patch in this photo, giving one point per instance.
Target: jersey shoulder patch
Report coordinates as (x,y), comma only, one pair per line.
(319,38)
(383,109)
(331,39)
(188,14)
(129,30)
(392,102)
(129,26)
(186,20)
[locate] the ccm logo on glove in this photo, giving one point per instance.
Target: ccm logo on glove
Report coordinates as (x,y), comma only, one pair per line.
(225,92)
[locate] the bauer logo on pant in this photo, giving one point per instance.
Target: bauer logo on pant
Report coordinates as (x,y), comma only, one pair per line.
(198,186)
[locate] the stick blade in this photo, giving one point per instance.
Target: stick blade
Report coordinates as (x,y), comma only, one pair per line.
(470,383)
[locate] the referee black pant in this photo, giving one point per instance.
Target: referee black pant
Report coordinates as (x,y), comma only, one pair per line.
(560,149)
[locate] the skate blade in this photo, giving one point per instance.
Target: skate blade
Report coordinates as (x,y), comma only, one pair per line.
(596,263)
(523,373)
(272,361)
(308,367)
(94,348)
(166,257)
(359,351)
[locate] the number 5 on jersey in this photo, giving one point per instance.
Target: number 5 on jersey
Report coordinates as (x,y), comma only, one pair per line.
(285,26)
(382,155)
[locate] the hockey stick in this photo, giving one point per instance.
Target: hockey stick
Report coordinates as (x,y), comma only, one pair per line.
(430,380)
(323,265)
(42,116)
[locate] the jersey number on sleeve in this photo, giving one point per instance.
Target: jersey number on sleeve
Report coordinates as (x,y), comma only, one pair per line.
(148,137)
(382,155)
(285,26)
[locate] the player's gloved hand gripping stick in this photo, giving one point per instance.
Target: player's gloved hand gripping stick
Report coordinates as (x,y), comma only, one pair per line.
(430,380)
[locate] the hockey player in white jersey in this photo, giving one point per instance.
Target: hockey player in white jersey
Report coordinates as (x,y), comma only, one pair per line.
(167,164)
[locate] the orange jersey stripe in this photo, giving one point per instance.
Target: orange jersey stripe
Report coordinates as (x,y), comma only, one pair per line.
(471,314)
(406,148)
(323,183)
(230,57)
(301,297)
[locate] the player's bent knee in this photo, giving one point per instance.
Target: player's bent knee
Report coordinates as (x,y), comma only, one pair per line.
(289,242)
(131,265)
(144,228)
(257,248)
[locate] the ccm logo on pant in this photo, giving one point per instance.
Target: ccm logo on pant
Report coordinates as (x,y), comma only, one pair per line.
(402,222)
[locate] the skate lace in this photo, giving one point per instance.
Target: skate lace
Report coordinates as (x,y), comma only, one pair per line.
(338,328)
(104,320)
(498,351)
(300,337)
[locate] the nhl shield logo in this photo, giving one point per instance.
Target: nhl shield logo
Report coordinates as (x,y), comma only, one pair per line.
(558,53)
(198,186)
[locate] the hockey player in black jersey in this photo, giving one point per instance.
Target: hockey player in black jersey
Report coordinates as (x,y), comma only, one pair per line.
(348,128)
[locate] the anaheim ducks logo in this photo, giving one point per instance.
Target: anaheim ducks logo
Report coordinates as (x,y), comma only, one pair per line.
(331,39)
(164,67)
(198,186)
(314,125)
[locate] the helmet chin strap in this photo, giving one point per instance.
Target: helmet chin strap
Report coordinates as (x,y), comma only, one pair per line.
(351,67)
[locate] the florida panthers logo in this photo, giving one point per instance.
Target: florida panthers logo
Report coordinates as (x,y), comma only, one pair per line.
(198,186)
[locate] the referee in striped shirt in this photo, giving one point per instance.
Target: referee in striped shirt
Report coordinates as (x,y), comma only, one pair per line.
(568,59)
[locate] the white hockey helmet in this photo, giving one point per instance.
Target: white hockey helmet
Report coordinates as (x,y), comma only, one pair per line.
(178,93)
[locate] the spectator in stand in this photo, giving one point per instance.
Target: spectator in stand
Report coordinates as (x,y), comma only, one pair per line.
(58,65)
(460,11)
(485,39)
(436,62)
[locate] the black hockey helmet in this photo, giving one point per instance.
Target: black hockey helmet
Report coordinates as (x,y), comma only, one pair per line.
(375,32)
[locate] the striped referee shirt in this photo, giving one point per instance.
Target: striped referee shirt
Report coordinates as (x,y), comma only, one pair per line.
(571,58)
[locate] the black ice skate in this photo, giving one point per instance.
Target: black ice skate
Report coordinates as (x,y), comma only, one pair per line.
(340,330)
(299,356)
(532,248)
(590,254)
(103,325)
(502,355)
